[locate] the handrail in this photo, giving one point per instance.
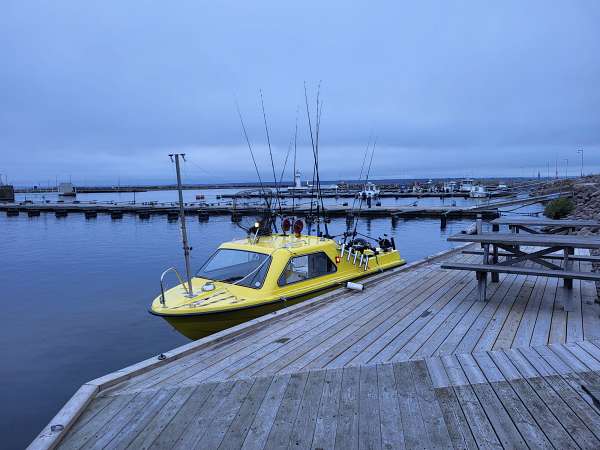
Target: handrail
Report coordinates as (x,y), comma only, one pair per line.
(162,289)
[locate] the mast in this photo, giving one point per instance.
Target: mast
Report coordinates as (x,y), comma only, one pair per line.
(186,247)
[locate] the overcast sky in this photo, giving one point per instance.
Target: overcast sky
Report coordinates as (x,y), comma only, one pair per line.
(101,91)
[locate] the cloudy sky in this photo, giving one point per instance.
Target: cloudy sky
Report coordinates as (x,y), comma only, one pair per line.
(102,91)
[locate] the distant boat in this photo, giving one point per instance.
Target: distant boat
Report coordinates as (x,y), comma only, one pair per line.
(370,191)
(466,185)
(479,192)
(66,190)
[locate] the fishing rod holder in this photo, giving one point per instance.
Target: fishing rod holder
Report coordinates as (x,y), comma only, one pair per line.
(162,288)
(354,255)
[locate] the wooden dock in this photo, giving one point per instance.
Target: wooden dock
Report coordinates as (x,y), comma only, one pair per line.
(204,211)
(413,361)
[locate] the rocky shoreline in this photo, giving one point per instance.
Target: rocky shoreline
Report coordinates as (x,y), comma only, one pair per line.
(586,198)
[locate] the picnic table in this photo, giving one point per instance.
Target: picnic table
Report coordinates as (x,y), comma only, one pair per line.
(544,253)
(552,226)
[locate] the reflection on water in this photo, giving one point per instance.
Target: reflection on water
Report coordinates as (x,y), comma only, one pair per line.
(76,292)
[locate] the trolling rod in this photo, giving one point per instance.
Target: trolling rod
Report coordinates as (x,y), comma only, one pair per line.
(366,181)
(262,187)
(262,103)
(362,167)
(315,147)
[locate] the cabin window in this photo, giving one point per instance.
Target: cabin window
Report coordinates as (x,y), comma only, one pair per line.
(305,267)
(239,267)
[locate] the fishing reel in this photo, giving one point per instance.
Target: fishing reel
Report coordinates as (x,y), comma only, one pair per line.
(386,244)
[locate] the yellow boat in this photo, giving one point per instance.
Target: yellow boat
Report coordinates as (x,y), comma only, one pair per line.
(250,277)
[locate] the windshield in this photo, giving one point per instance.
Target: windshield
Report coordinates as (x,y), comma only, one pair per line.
(239,267)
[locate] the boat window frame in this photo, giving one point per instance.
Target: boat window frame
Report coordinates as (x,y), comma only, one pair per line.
(308,279)
(268,267)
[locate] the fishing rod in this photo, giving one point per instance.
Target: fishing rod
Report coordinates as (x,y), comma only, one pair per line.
(366,181)
(314,144)
(295,148)
(270,151)
(262,187)
(362,167)
(318,126)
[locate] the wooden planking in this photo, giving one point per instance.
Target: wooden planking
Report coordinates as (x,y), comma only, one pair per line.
(413,426)
(464,326)
(483,431)
(335,337)
(368,346)
(438,434)
(236,433)
(346,436)
(261,426)
(510,399)
(519,414)
(161,420)
(397,330)
(286,413)
(304,426)
(545,418)
(509,329)
(392,433)
(369,414)
(326,418)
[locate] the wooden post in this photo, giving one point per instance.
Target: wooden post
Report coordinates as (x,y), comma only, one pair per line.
(482,285)
(479,224)
(495,275)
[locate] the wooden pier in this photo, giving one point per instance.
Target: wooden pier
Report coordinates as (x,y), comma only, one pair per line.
(203,212)
(487,210)
(413,361)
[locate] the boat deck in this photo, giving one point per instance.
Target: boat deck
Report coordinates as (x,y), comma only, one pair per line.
(415,360)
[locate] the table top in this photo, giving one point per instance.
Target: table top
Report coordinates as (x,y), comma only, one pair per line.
(538,240)
(536,221)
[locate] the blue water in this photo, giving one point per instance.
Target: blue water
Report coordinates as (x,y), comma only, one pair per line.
(75,293)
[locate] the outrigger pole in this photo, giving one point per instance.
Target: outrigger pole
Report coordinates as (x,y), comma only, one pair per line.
(186,247)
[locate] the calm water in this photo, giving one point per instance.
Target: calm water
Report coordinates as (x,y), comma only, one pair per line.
(75,294)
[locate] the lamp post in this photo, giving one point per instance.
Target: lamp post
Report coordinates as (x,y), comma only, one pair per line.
(581,152)
(566,168)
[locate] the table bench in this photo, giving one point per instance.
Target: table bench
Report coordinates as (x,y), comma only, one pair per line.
(553,226)
(546,245)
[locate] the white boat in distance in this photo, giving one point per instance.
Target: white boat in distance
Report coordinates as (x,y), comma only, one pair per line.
(369,191)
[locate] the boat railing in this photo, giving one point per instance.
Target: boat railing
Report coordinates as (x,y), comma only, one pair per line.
(162,288)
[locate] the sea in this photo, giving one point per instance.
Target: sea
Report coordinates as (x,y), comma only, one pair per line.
(75,292)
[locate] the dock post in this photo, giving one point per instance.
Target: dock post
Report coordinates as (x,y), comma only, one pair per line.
(443,221)
(482,285)
(479,224)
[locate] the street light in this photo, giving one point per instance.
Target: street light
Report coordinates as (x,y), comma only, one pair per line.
(567,168)
(581,151)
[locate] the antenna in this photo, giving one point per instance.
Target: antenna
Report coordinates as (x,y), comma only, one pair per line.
(186,247)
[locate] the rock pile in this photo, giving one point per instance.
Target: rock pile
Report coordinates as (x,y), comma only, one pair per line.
(586,197)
